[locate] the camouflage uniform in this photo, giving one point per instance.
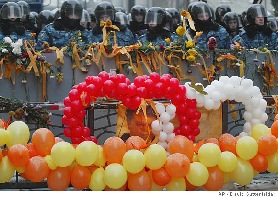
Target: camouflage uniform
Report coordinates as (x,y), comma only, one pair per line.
(61,38)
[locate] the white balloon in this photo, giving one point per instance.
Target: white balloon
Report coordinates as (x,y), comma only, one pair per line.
(165,117)
(242,134)
(247,116)
(247,83)
(247,127)
(255,121)
(216,105)
(264,117)
(255,101)
(224,79)
(160,108)
(200,99)
(257,113)
(163,144)
(171,109)
(255,91)
(216,96)
(170,136)
(172,116)
(229,92)
(263,104)
(209,104)
(235,81)
(156,127)
(162,136)
(190,93)
(168,127)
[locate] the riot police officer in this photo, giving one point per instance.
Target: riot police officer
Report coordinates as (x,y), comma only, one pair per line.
(232,23)
(137,21)
(156,33)
(256,33)
(105,11)
(65,29)
(220,11)
(202,17)
(176,16)
(11,24)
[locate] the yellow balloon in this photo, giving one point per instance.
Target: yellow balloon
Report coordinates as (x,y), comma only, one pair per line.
(198,174)
(176,184)
(259,130)
(6,170)
(50,162)
(256,173)
(209,154)
(244,173)
(97,180)
(20,169)
(195,158)
(227,162)
(19,133)
(155,156)
(4,137)
(273,163)
(100,162)
(134,161)
(62,154)
(246,147)
(86,153)
(115,176)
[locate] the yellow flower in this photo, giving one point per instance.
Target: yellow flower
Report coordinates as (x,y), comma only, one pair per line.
(192,52)
(189,44)
(180,31)
(184,13)
(79,33)
(151,44)
(190,58)
(198,34)
(102,23)
(167,40)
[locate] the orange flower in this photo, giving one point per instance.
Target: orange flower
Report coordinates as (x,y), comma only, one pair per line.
(184,13)
(108,23)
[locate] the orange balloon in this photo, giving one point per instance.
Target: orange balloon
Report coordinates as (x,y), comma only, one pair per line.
(216,179)
(114,149)
(181,144)
(213,140)
(18,155)
(123,188)
(43,140)
(161,176)
(36,169)
(92,168)
(227,142)
(23,175)
(140,181)
(80,177)
(189,186)
(274,128)
(177,165)
(267,145)
(276,117)
(32,150)
(1,155)
(59,179)
(135,142)
(259,163)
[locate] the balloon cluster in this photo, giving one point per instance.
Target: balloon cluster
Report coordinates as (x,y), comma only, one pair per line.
(130,94)
(163,127)
(233,88)
(134,165)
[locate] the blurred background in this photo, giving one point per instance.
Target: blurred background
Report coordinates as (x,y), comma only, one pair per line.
(237,6)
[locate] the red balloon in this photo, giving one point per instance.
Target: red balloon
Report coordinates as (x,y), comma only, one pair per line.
(132,89)
(155,77)
(59,179)
(67,101)
(81,87)
(103,75)
(139,81)
(74,94)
